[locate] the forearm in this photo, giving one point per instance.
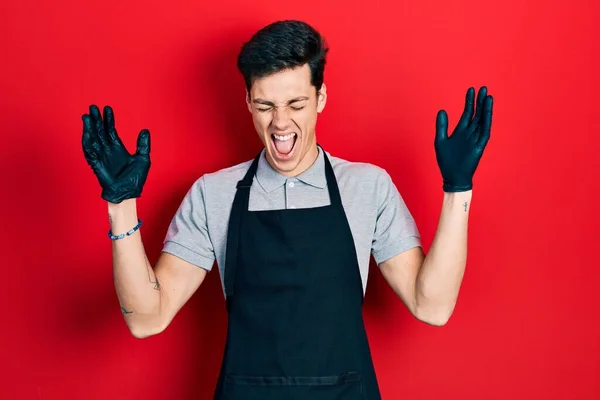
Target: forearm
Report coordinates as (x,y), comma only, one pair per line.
(441,274)
(137,287)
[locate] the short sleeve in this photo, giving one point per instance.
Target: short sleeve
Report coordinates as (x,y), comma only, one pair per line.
(187,236)
(395,229)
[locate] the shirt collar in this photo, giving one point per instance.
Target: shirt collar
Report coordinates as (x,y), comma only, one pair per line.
(270,179)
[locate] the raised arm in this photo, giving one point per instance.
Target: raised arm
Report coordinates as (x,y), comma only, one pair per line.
(150,297)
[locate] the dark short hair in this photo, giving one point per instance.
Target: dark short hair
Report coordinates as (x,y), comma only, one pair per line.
(283,45)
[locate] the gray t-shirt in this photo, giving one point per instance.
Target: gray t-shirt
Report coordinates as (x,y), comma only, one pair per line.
(380,221)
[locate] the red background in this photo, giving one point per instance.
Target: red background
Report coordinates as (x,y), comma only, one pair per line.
(526,323)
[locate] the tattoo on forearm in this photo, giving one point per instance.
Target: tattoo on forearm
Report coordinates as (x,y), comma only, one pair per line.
(465,206)
(149,268)
(110,220)
(124,311)
(155,281)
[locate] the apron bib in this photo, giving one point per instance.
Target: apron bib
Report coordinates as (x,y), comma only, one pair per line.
(294,300)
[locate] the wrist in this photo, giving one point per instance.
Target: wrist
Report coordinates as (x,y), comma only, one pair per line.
(126,206)
(464,193)
(458,199)
(122,216)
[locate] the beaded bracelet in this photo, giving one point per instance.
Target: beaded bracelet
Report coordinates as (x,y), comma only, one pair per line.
(122,235)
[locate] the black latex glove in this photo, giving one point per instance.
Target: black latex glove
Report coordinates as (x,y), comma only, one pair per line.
(121,174)
(458,155)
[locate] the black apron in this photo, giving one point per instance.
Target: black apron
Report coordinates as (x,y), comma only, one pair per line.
(294,300)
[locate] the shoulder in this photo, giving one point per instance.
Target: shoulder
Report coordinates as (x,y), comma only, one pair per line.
(358,171)
(222,178)
(364,183)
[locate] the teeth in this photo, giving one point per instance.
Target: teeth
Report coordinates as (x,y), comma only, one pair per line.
(286,137)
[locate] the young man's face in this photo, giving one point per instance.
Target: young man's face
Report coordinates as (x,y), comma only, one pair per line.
(284,109)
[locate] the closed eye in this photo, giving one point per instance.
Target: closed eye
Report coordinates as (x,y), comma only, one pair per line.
(269,109)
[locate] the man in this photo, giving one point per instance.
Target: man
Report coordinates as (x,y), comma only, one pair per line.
(291,230)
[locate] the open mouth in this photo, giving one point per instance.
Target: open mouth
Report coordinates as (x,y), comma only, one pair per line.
(284,145)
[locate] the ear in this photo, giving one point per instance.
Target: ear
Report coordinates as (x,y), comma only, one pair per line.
(321,98)
(248,104)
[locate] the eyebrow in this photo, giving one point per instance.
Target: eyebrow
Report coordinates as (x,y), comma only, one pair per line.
(270,103)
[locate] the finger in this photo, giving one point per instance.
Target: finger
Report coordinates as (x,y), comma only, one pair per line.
(143,143)
(486,126)
(109,125)
(88,140)
(441,126)
(467,114)
(479,107)
(98,124)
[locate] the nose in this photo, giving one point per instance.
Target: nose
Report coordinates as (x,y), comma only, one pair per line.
(281,120)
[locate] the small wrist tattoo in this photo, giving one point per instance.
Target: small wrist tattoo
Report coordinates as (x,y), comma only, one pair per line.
(465,206)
